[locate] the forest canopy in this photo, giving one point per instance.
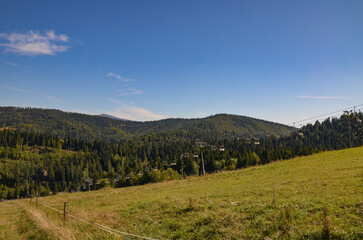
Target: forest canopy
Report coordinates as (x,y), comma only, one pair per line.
(34,161)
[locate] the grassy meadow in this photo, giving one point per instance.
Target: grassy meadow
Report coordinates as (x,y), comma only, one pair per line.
(313,197)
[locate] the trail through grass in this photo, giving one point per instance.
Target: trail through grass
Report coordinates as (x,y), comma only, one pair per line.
(314,197)
(17,222)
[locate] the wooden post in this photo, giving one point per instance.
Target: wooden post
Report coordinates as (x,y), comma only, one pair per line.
(64,214)
(36,199)
(30,199)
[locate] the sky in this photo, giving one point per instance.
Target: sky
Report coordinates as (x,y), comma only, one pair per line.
(281,61)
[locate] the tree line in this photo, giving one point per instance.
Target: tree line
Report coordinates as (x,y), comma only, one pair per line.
(37,162)
(92,127)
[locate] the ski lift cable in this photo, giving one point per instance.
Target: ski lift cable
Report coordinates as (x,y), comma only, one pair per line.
(326,114)
(318,119)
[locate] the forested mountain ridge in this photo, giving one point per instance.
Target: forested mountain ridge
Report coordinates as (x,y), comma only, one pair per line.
(92,127)
(31,161)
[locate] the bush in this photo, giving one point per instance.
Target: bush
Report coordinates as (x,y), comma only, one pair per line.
(102,183)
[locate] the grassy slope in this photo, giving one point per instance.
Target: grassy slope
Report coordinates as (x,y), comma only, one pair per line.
(302,198)
(19,222)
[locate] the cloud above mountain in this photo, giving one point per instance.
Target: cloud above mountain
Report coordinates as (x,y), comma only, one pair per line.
(131,112)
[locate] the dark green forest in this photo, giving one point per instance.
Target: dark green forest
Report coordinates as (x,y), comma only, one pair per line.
(32,160)
(91,127)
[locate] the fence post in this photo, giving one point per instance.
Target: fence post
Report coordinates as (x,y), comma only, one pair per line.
(64,214)
(36,199)
(30,199)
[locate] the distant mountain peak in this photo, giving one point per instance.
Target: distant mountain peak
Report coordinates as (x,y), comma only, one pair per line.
(112,117)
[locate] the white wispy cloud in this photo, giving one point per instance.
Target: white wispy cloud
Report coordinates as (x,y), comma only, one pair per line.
(11,64)
(133,112)
(34,43)
(46,96)
(118,77)
(52,99)
(323,97)
(115,101)
(18,89)
(128,91)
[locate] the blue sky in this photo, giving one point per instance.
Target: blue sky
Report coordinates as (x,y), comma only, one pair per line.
(145,60)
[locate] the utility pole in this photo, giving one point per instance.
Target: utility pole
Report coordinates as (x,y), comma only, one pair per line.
(201,145)
(202,162)
(347,114)
(182,160)
(350,133)
(182,168)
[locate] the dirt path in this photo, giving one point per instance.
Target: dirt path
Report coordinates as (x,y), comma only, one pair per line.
(19,220)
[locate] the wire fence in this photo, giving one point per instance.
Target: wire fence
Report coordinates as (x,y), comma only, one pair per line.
(97,225)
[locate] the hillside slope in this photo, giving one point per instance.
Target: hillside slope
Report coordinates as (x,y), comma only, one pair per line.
(90,127)
(314,197)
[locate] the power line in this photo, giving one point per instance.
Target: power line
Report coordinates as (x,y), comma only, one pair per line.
(319,119)
(326,114)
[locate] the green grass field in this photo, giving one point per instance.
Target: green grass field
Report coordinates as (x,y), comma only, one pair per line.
(314,197)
